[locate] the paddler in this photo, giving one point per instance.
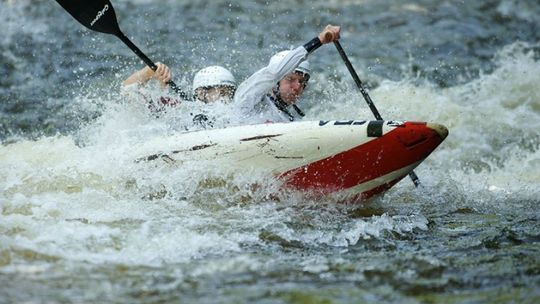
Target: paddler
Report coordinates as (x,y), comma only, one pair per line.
(210,84)
(268,94)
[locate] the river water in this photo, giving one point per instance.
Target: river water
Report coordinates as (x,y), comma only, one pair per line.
(81,222)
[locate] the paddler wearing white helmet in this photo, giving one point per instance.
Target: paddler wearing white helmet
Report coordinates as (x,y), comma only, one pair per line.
(267,95)
(210,84)
(214,83)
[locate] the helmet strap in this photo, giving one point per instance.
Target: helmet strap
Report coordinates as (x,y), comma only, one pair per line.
(298,110)
(279,103)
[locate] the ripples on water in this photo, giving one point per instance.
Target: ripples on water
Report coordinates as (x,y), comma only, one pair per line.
(81,222)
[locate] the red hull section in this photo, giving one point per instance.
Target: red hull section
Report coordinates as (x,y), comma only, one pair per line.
(402,147)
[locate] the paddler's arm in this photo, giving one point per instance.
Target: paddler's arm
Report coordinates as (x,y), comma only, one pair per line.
(261,82)
(141,77)
(251,90)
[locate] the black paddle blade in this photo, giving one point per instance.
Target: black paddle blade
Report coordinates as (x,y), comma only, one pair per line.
(97,15)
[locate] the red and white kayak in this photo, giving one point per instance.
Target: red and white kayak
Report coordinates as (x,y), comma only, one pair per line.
(356,159)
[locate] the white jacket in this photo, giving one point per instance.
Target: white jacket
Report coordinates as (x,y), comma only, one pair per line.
(250,97)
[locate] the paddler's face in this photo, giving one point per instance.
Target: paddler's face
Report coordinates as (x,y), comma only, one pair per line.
(212,94)
(292,86)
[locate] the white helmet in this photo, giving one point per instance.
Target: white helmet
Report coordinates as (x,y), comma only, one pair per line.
(213,76)
(303,67)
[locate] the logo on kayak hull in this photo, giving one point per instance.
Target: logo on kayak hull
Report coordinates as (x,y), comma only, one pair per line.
(100,14)
(391,123)
(342,122)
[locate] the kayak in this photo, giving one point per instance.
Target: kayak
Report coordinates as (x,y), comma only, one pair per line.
(354,159)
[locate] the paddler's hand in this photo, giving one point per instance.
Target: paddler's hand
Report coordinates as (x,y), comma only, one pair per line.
(162,74)
(330,33)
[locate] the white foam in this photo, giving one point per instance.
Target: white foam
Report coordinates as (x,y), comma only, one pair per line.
(84,198)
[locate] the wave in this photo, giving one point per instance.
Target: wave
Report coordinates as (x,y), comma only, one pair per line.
(81,197)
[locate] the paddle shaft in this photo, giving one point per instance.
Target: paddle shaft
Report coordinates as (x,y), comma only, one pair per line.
(99,16)
(370,103)
(136,50)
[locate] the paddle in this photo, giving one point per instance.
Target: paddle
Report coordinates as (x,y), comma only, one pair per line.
(99,16)
(370,103)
